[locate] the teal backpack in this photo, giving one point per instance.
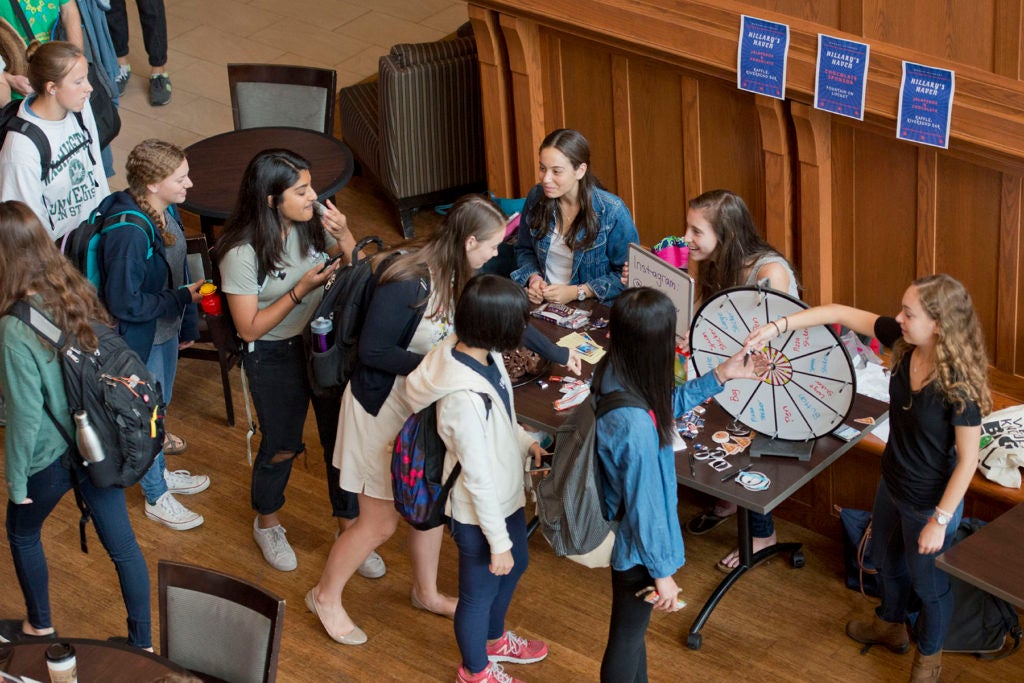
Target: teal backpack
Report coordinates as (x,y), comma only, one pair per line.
(81,245)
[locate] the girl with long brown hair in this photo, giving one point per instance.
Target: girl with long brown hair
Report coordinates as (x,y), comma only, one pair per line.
(146,286)
(37,474)
(938,391)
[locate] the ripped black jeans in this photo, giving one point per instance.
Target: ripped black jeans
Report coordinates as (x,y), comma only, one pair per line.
(281,396)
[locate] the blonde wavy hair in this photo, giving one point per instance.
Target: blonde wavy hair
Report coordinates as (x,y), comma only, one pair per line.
(150,162)
(961,363)
(34,265)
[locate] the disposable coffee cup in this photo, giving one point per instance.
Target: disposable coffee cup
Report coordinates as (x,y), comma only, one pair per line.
(61,663)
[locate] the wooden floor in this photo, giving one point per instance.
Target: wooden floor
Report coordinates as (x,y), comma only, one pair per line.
(778,624)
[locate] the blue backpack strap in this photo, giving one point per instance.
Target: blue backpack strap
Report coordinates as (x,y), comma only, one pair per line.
(133,218)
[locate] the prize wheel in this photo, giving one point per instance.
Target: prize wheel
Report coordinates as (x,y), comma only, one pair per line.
(810,384)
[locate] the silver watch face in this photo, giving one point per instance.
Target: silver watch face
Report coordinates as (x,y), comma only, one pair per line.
(942,519)
(580,294)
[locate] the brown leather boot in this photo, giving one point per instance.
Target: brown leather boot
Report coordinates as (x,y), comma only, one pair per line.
(893,636)
(926,668)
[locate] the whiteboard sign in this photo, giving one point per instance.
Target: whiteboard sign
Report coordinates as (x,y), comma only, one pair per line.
(648,270)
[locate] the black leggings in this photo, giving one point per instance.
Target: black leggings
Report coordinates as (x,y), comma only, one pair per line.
(625,656)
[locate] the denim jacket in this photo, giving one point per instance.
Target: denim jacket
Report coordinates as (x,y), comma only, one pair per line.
(600,266)
(639,476)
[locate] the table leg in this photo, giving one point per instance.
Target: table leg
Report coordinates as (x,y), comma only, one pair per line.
(748,560)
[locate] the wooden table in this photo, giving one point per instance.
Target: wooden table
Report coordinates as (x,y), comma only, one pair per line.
(534,406)
(991,557)
(787,475)
(217,164)
(98,660)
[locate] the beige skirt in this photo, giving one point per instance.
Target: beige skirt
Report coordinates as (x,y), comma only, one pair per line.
(362,450)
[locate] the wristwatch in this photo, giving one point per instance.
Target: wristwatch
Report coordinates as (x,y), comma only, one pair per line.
(941,518)
(581,293)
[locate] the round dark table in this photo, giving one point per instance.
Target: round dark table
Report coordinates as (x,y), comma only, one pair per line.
(217,164)
(97,660)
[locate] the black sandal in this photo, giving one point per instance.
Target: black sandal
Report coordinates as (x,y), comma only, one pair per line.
(704,522)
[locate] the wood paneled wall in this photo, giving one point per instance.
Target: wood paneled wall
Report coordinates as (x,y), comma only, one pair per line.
(860,213)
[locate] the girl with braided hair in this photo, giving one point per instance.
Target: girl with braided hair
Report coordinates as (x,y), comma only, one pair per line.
(145,285)
(938,391)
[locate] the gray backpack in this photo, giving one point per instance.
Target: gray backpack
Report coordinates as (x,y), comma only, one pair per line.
(569,499)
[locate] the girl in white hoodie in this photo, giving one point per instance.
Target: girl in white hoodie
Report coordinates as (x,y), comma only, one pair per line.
(476,420)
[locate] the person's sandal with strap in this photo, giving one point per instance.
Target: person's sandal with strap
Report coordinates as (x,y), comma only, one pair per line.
(174,444)
(704,522)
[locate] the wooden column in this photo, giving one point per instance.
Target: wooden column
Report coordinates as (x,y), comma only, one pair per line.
(522,38)
(1008,306)
(693,184)
(623,130)
(778,180)
(814,150)
(927,210)
(495,101)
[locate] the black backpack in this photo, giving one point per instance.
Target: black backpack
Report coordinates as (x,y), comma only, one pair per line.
(347,295)
(570,499)
(10,122)
(123,400)
(981,621)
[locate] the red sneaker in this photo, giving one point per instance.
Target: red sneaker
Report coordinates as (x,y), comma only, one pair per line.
(492,674)
(516,649)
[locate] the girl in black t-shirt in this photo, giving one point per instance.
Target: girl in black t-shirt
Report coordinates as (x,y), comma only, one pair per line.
(938,391)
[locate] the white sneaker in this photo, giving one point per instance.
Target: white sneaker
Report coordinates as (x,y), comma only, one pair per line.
(185,483)
(372,567)
(169,512)
(274,545)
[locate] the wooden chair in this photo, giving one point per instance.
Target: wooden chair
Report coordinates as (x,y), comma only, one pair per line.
(282,95)
(219,626)
(211,345)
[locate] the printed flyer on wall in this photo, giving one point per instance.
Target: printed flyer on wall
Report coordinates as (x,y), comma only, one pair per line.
(761,58)
(841,76)
(926,104)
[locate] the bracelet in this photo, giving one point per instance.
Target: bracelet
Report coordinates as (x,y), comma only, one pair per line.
(535,275)
(787,323)
(943,512)
(294,298)
(718,378)
(776,326)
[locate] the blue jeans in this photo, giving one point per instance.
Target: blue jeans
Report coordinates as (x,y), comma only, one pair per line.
(483,597)
(281,396)
(110,514)
(895,527)
(163,363)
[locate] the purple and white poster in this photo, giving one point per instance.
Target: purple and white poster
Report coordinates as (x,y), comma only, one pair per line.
(926,104)
(761,58)
(841,76)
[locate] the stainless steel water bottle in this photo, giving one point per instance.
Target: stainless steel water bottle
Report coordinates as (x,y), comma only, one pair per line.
(89,444)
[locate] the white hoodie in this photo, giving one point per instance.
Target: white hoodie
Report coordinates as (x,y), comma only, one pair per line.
(492,448)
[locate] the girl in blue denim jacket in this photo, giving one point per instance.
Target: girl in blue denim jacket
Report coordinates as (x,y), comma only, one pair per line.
(634,447)
(573,237)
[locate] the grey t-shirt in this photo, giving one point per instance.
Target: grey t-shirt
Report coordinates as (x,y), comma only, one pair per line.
(168,328)
(239,270)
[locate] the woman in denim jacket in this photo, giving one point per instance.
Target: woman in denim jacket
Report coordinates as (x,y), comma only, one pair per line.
(573,238)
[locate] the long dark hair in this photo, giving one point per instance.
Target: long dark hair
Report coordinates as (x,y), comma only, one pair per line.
(585,227)
(254,221)
(739,244)
(444,252)
(642,335)
(32,263)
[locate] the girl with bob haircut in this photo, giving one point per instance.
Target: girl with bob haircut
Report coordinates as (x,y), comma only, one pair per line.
(634,447)
(272,257)
(574,235)
(727,251)
(409,314)
(37,475)
(63,195)
(146,286)
(938,390)
(476,419)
